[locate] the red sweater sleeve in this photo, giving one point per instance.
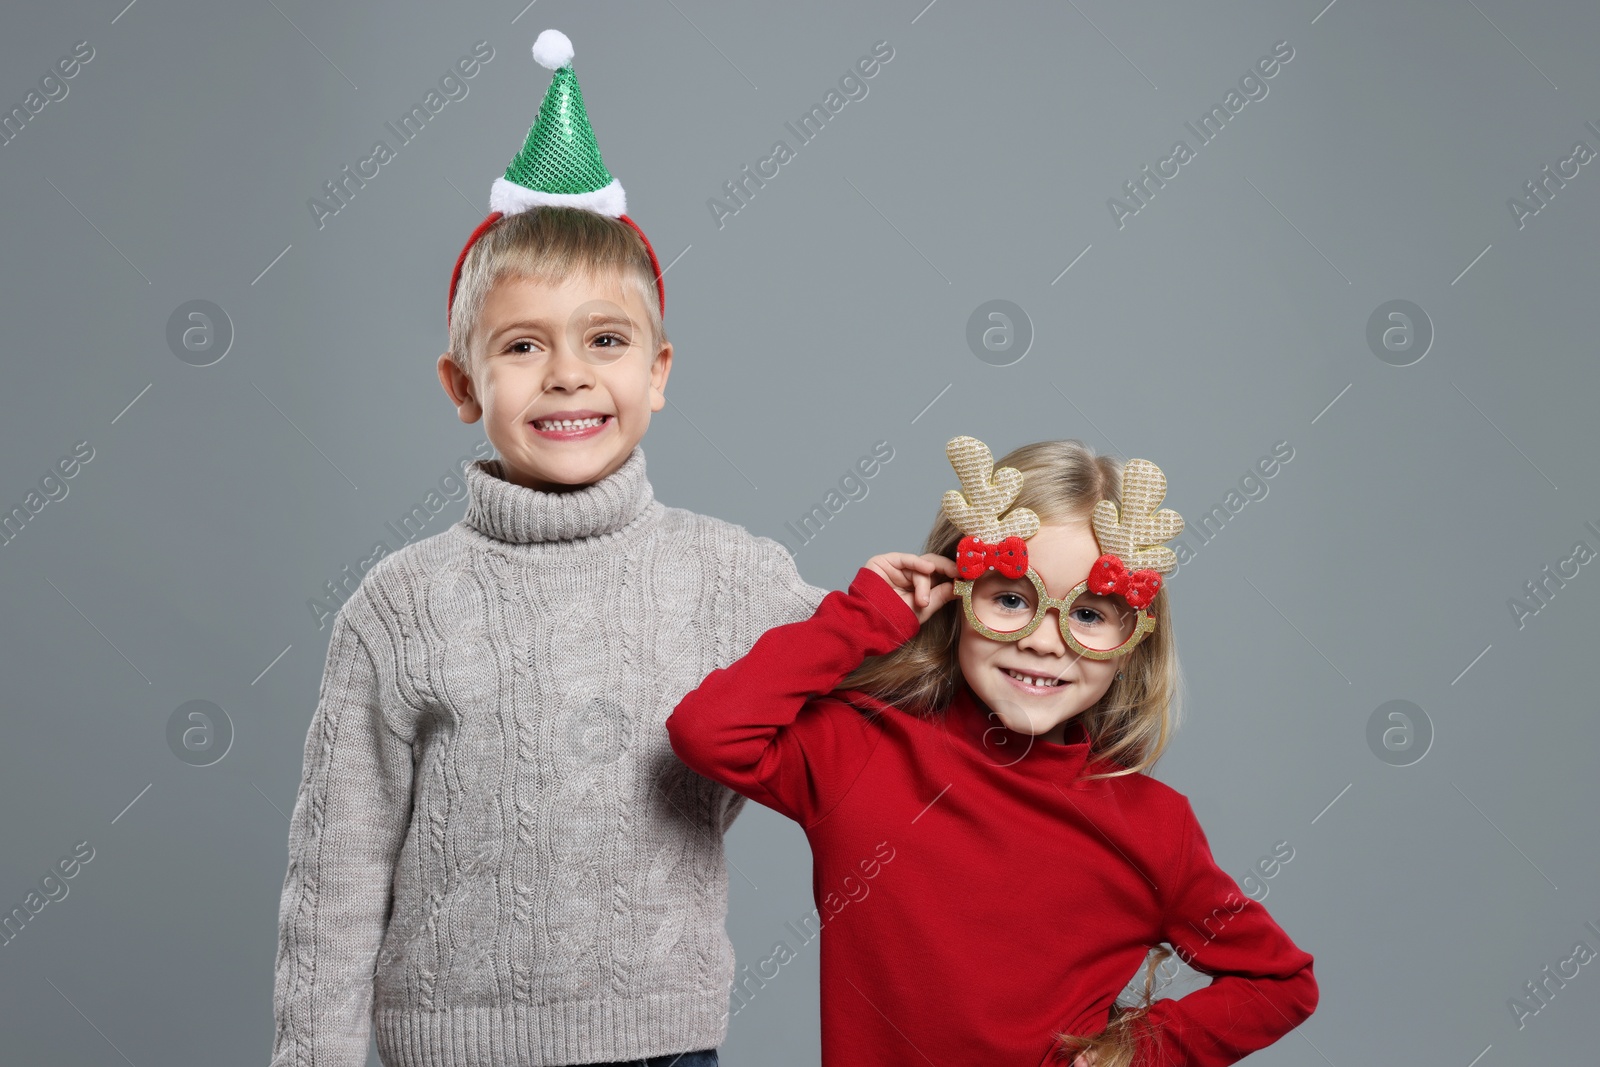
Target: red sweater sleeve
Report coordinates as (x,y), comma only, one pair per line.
(763,725)
(1262,984)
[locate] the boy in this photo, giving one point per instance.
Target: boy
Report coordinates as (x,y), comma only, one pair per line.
(495,857)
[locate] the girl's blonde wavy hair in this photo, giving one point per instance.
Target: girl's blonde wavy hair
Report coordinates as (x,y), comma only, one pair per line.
(1131,725)
(1128,1032)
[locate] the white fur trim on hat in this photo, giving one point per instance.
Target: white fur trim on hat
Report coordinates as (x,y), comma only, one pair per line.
(509,198)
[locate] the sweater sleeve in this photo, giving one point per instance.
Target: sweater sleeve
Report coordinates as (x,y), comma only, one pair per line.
(788,597)
(1262,983)
(350,817)
(763,726)
(770,592)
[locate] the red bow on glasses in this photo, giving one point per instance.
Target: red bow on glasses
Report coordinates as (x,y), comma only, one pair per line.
(1138,588)
(974,556)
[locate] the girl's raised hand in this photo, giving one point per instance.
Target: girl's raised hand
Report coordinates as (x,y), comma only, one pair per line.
(925,583)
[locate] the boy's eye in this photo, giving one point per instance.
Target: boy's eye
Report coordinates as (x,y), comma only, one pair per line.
(611,340)
(522,347)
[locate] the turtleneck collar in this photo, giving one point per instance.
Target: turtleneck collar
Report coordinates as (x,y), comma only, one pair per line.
(971,718)
(513,513)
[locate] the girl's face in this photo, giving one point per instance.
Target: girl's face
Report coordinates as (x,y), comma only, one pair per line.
(1062,555)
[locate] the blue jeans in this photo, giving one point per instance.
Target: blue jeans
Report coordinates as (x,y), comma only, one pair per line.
(701,1058)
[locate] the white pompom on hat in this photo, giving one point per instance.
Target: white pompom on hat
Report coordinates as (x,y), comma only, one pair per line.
(553,50)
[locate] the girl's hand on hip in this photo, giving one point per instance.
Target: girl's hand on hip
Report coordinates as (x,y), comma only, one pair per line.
(925,583)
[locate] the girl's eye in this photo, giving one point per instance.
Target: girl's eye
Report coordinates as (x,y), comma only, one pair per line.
(1088,616)
(1011,602)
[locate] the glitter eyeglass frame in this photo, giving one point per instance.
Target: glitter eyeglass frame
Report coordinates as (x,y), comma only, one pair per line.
(1143,627)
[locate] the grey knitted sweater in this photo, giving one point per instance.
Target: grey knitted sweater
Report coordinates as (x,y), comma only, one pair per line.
(495,858)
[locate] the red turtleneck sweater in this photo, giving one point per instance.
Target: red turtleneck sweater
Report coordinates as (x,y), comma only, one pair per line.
(975,897)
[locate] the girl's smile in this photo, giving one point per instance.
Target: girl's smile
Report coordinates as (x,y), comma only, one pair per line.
(1032,682)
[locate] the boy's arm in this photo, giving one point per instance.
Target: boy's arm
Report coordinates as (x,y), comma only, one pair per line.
(756,727)
(350,818)
(777,593)
(1262,985)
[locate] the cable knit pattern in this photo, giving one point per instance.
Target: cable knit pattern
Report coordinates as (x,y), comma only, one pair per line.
(495,858)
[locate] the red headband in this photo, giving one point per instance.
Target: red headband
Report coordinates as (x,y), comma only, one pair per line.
(495,216)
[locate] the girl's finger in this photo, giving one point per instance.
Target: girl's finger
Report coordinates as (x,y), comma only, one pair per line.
(922,585)
(937,598)
(940,596)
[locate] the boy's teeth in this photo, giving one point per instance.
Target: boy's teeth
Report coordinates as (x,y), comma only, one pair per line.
(1042,683)
(569,424)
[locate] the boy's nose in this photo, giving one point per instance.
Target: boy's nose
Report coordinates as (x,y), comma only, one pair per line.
(566,363)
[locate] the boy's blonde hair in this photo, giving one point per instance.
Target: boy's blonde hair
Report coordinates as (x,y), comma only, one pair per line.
(550,244)
(1132,724)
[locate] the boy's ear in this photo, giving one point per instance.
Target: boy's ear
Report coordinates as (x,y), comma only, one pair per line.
(458,387)
(660,367)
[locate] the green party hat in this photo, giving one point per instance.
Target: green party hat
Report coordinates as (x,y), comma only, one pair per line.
(560,162)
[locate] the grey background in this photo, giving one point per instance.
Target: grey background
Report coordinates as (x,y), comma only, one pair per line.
(1228,315)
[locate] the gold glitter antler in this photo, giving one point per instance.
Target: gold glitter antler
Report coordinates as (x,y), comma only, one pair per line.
(985,494)
(1136,537)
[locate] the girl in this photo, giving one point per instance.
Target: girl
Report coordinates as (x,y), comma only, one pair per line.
(969,758)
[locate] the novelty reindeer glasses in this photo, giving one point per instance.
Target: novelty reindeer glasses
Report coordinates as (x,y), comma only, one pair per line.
(1104,616)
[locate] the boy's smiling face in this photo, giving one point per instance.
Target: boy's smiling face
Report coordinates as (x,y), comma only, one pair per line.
(565,376)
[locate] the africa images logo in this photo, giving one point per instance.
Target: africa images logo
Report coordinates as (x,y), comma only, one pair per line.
(1252,86)
(452,85)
